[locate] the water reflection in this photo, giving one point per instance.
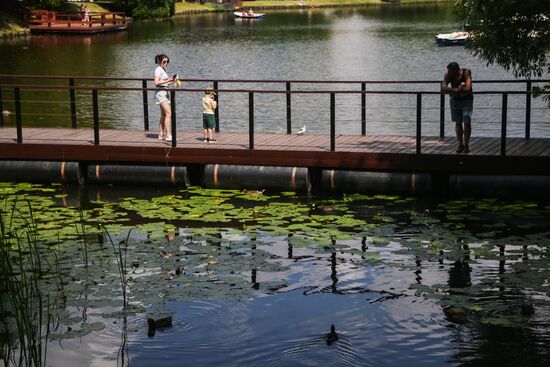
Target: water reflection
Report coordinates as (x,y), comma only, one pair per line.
(374,43)
(240,296)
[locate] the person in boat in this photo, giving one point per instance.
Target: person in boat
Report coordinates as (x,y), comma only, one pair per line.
(250,12)
(163,81)
(462,102)
(209,105)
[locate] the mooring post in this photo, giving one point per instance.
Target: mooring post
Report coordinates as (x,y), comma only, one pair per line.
(1,110)
(503,124)
(363,109)
(173,121)
(251,120)
(18,118)
(288,109)
(145,106)
(442,115)
(418,122)
(96,116)
(332,122)
(217,110)
(73,103)
(528,111)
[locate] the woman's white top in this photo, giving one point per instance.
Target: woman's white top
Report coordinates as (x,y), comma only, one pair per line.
(161,73)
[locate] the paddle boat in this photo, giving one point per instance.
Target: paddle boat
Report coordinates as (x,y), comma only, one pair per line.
(245,14)
(452,39)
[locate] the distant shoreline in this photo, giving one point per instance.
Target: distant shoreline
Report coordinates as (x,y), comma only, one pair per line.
(15,29)
(194,8)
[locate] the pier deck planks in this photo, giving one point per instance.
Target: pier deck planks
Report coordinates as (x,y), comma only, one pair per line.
(378,152)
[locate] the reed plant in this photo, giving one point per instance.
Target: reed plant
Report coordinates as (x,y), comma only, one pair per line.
(23,306)
(120,251)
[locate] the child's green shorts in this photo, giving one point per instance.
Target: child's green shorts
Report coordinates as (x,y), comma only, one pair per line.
(208,120)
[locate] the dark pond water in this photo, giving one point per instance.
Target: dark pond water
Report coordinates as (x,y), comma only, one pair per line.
(375,43)
(255,280)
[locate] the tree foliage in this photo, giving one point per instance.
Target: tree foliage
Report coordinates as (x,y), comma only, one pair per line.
(512,33)
(147,8)
(43,4)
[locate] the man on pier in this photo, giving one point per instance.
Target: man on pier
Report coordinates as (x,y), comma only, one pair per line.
(462,102)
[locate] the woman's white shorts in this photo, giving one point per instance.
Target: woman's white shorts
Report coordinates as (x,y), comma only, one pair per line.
(161,96)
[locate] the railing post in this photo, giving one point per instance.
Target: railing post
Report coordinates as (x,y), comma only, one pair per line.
(503,125)
(418,123)
(332,122)
(73,103)
(173,121)
(96,116)
(442,115)
(363,109)
(251,120)
(18,118)
(288,110)
(145,106)
(528,111)
(1,110)
(217,110)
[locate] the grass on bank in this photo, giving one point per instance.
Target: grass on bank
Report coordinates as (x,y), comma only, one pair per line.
(10,25)
(306,3)
(185,6)
(77,5)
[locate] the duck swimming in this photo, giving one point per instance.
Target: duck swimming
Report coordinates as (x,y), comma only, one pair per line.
(154,324)
(332,336)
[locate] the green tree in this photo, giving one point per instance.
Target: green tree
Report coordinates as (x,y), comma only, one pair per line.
(43,4)
(147,8)
(512,33)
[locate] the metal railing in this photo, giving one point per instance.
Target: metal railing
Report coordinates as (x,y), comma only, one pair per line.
(95,89)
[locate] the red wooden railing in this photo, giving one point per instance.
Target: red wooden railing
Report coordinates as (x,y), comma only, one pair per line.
(43,19)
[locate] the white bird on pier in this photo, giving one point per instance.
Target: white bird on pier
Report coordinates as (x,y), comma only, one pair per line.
(301,131)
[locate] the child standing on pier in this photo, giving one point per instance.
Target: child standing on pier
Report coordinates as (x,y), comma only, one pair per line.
(208,117)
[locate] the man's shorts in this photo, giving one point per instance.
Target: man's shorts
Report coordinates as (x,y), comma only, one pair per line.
(208,120)
(461,110)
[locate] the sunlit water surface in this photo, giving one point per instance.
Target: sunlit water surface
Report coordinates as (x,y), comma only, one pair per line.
(372,43)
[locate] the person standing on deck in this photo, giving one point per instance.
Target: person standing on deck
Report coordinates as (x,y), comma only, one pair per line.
(462,102)
(162,80)
(208,116)
(86,14)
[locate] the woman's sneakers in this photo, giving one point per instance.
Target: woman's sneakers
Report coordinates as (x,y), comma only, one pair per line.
(208,140)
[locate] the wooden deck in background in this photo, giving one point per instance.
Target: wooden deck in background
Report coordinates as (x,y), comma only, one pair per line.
(77,28)
(371,152)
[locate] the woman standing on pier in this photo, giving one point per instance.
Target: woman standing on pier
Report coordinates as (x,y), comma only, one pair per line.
(162,80)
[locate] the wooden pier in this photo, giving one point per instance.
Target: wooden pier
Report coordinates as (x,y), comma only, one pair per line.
(42,21)
(353,152)
(419,162)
